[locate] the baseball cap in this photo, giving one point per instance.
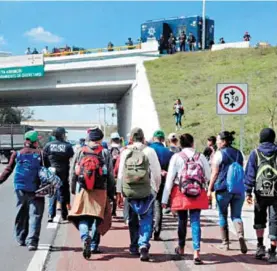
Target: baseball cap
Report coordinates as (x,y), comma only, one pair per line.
(32,136)
(60,130)
(172,136)
(115,135)
(159,134)
(137,133)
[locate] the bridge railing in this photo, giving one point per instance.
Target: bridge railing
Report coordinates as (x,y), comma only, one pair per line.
(97,50)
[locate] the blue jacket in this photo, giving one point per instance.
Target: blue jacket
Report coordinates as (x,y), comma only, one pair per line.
(229,155)
(163,153)
(252,165)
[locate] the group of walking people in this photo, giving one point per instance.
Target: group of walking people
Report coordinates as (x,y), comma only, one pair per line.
(143,178)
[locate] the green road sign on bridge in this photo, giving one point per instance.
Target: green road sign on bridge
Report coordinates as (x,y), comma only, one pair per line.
(21,72)
(16,67)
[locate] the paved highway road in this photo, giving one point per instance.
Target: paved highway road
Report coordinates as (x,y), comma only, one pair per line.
(13,257)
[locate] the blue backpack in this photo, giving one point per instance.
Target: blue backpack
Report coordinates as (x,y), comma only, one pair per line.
(235,177)
(26,171)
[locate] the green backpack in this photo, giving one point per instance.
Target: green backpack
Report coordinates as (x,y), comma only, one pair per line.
(136,175)
(266,179)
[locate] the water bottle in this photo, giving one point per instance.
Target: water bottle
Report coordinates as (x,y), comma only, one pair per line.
(105,170)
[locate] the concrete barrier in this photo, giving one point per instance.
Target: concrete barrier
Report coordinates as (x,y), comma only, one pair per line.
(243,44)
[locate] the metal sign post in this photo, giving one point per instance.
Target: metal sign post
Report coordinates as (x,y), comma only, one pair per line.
(232,99)
(222,123)
(241,132)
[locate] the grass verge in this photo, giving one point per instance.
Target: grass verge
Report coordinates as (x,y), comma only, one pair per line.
(192,77)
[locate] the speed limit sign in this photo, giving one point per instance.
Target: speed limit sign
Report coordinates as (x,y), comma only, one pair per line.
(232,99)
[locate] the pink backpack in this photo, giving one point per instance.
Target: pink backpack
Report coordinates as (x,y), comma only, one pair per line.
(192,179)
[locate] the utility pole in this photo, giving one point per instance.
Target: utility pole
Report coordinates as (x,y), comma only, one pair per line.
(203,24)
(105,121)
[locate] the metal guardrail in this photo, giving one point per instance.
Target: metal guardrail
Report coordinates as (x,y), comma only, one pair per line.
(91,51)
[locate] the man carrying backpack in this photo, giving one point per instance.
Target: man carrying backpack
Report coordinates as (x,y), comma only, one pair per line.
(57,154)
(139,179)
(27,163)
(261,176)
(164,156)
(92,183)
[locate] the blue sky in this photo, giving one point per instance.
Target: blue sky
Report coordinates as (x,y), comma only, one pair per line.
(94,24)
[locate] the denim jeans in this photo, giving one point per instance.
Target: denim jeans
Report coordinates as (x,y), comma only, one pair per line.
(158,212)
(182,47)
(140,228)
(224,199)
(85,226)
(178,119)
(63,195)
(28,218)
(195,228)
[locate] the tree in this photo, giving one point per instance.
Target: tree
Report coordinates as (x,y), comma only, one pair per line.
(11,115)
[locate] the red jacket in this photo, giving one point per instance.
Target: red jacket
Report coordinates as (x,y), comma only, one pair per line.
(178,201)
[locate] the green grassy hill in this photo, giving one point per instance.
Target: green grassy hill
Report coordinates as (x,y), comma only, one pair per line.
(192,77)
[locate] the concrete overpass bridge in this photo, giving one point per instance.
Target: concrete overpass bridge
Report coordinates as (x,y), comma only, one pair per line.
(68,125)
(108,77)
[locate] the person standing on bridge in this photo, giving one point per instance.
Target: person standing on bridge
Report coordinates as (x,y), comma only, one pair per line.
(261,176)
(92,183)
(138,180)
(57,154)
(27,163)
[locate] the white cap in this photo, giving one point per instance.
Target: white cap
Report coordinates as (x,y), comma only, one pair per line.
(115,135)
(172,136)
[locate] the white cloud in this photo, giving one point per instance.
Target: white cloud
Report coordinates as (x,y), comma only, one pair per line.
(39,34)
(2,40)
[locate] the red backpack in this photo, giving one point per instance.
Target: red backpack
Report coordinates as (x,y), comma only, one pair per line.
(192,179)
(89,168)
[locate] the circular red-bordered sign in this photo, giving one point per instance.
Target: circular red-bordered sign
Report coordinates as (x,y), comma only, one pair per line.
(243,99)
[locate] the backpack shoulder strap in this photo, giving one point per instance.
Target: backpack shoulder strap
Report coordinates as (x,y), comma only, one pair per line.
(196,156)
(224,151)
(258,157)
(183,156)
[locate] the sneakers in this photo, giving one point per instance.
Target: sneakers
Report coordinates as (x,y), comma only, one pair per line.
(157,237)
(95,251)
(32,247)
(134,252)
(272,257)
(21,243)
(86,248)
(50,219)
(144,255)
(260,253)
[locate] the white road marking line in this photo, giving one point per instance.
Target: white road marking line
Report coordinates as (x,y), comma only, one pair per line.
(39,258)
(55,222)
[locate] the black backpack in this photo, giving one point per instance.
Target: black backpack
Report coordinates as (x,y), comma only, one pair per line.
(266,178)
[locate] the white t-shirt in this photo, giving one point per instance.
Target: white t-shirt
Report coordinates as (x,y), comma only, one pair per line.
(217,159)
(178,107)
(44,51)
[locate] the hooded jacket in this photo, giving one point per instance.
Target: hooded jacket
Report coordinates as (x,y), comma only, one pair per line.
(251,169)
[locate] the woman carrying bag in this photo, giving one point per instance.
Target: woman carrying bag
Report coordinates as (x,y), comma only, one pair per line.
(227,182)
(185,185)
